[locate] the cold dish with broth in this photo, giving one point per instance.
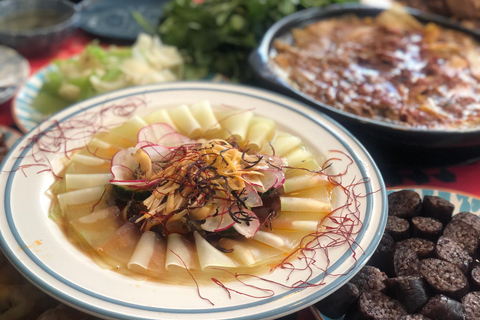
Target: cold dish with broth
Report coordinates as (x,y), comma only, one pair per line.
(195,187)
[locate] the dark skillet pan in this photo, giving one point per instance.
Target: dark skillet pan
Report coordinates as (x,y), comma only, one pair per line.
(393,144)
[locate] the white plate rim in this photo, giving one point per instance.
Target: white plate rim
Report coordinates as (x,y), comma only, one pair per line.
(254,92)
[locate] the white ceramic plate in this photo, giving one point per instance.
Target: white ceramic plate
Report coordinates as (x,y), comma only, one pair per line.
(14,70)
(41,251)
(463,203)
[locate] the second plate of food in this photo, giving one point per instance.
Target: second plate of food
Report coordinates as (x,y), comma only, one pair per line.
(190,199)
(374,70)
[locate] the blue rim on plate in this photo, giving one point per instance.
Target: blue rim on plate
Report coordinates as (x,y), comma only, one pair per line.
(463,203)
(57,284)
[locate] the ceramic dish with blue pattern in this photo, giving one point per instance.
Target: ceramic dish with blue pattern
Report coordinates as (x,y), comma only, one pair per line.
(26,117)
(40,250)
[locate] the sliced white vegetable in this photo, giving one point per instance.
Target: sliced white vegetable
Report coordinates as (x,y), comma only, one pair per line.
(255,182)
(157,153)
(96,227)
(88,160)
(154,132)
(250,253)
(130,128)
(269,239)
(160,116)
(317,193)
(248,229)
(203,113)
(281,145)
(284,240)
(311,165)
(119,247)
(114,139)
(209,256)
(72,212)
(82,163)
(174,140)
(82,196)
(304,204)
(258,132)
(218,223)
(236,123)
(181,253)
(272,178)
(149,255)
(185,121)
(77,203)
(86,180)
(299,221)
(305,181)
(297,157)
(101,149)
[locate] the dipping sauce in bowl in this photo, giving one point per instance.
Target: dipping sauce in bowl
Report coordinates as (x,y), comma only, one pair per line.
(36,28)
(390,68)
(31,20)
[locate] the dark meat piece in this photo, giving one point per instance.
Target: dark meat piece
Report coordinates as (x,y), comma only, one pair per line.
(133,210)
(336,304)
(464,234)
(269,209)
(437,208)
(423,248)
(398,228)
(410,291)
(449,250)
(471,304)
(404,204)
(444,277)
(475,277)
(375,305)
(405,261)
(441,307)
(414,317)
(369,279)
(470,218)
(426,228)
(383,254)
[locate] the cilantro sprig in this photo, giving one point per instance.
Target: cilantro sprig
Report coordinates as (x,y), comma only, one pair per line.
(216,36)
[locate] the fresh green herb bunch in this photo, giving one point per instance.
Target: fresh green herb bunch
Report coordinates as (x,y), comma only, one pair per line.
(216,36)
